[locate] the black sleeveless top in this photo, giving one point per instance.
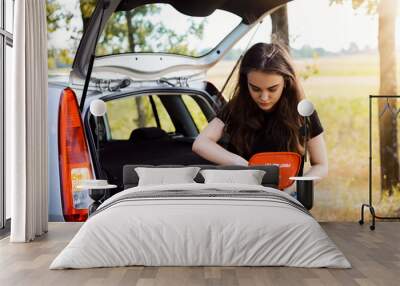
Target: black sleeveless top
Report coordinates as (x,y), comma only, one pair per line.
(263,141)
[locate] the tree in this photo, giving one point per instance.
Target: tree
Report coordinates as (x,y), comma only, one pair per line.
(280,26)
(140,40)
(386,10)
(353,48)
(56,18)
(388,86)
(139,28)
(87,8)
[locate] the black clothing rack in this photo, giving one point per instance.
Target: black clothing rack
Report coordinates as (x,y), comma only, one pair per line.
(370,205)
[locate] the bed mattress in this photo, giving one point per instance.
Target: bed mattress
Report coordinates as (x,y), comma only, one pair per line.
(201,225)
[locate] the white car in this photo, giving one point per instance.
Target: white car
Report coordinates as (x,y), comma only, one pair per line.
(173,89)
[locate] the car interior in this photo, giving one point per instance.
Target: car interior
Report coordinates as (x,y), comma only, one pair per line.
(164,133)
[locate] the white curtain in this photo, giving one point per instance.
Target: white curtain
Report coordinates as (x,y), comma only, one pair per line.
(26,123)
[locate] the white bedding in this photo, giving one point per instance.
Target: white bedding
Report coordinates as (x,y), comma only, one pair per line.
(181,231)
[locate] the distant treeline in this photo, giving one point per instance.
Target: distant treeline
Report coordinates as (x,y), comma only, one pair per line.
(309,52)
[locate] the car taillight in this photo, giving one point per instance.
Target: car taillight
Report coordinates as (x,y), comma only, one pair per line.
(74,158)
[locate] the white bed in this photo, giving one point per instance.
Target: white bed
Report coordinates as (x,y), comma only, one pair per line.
(223,225)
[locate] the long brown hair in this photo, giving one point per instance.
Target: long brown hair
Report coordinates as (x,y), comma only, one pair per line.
(245,118)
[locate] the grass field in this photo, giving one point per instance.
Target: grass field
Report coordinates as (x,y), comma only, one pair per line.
(340,93)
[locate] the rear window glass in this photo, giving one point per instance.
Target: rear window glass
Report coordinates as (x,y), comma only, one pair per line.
(195,111)
(127,114)
(161,28)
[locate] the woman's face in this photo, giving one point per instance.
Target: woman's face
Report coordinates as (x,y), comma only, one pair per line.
(265,88)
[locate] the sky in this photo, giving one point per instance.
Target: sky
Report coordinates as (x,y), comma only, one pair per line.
(311,22)
(333,27)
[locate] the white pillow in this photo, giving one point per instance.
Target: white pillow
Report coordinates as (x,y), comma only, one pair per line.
(248,177)
(162,176)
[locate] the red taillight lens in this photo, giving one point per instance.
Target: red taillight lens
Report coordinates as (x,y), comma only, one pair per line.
(74,158)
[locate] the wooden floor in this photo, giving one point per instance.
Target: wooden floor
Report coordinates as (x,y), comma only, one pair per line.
(374,255)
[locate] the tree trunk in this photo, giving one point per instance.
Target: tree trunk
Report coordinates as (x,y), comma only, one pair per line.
(85,22)
(131,31)
(141,111)
(388,86)
(86,7)
(280,26)
(141,121)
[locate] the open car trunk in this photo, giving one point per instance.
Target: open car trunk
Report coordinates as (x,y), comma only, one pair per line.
(173,119)
(149,145)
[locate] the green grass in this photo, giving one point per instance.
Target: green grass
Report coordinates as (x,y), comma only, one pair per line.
(344,66)
(123,116)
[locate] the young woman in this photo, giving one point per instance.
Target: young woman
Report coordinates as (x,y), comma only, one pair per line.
(262,115)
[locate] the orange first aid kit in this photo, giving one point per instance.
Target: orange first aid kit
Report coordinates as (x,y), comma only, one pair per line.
(288,162)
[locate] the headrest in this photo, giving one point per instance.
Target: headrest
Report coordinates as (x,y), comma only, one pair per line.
(147,133)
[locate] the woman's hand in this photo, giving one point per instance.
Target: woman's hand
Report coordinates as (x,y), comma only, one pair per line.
(318,157)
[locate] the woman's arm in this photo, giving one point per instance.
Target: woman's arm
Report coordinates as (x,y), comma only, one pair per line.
(318,157)
(207,147)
